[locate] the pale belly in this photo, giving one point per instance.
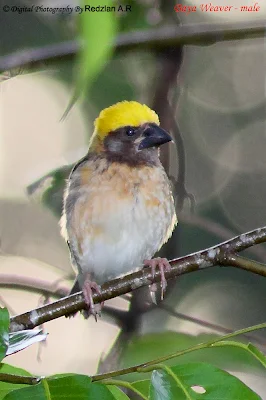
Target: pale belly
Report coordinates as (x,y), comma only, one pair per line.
(117,242)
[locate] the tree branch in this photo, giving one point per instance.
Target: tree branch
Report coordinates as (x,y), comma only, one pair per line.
(243,263)
(221,254)
(157,38)
(20,379)
(48,289)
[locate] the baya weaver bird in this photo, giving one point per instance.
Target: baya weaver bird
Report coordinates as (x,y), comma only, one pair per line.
(118,207)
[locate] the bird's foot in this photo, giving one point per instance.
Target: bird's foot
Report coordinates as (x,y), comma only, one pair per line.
(163,265)
(88,288)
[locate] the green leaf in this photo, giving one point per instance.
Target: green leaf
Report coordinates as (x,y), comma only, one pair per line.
(97,33)
(257,354)
(193,381)
(117,393)
(103,392)
(164,387)
(6,388)
(143,386)
(22,339)
(67,386)
(71,386)
(4,326)
(214,383)
(56,387)
(250,348)
(36,392)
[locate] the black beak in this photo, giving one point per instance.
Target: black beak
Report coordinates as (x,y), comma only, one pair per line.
(154,136)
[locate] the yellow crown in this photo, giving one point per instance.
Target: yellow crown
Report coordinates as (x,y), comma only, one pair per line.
(125,113)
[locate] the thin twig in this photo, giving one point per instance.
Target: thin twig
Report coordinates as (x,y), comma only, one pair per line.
(19,379)
(143,366)
(243,263)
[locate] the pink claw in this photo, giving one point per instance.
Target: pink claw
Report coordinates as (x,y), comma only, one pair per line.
(88,287)
(163,265)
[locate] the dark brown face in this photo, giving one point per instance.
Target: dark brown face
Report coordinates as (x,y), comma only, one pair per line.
(136,145)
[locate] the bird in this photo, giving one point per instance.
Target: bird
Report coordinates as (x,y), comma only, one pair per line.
(118,207)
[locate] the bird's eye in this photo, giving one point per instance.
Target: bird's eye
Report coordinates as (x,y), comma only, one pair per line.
(130,131)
